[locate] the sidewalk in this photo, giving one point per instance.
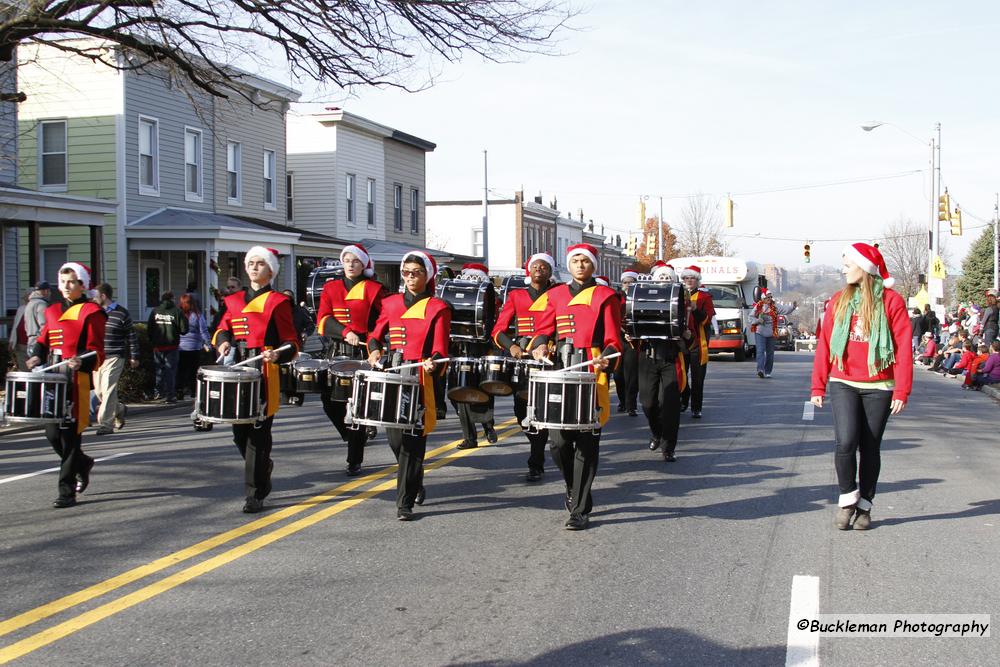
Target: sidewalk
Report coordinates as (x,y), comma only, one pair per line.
(134,410)
(993,391)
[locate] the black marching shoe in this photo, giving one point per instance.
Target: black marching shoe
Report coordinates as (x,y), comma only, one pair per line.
(467,444)
(654,444)
(405,515)
(668,452)
(534,474)
(371,432)
(64,501)
(577,522)
(353,469)
(633,413)
(696,414)
(621,408)
(421,496)
(569,499)
(253,505)
(684,407)
(83,477)
(491,433)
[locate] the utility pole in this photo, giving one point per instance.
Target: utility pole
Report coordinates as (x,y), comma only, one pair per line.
(996,243)
(659,232)
(486,214)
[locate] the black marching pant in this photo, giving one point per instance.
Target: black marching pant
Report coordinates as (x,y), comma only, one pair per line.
(409,451)
(694,392)
(470,414)
(254,442)
(575,454)
(336,411)
(859,420)
(627,378)
(68,445)
(661,400)
(536,459)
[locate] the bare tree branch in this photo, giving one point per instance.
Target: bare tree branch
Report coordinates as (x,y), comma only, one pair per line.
(700,229)
(904,246)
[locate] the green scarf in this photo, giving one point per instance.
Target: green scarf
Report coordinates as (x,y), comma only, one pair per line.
(880,350)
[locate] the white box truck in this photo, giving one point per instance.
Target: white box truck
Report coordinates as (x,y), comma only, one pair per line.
(732,283)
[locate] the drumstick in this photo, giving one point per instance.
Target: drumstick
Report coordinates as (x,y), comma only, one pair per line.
(261,356)
(63,363)
(418,363)
(587,363)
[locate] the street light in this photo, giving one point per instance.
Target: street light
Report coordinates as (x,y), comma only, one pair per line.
(934,225)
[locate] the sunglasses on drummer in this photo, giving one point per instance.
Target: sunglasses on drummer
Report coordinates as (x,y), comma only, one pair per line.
(413,273)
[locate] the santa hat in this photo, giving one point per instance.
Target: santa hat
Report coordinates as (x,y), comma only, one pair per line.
(430,266)
(692,271)
(82,272)
(662,271)
(870,260)
(269,255)
(764,293)
(361,253)
(629,275)
(582,249)
(603,280)
(545,257)
(475,271)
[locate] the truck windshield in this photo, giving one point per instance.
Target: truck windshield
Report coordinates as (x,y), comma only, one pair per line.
(725,296)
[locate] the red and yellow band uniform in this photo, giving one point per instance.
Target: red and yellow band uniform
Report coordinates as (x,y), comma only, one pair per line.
(700,318)
(525,312)
(342,310)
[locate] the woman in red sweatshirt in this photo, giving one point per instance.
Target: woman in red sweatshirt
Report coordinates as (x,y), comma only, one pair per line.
(864,362)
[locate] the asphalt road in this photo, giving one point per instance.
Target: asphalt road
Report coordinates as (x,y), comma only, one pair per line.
(684,563)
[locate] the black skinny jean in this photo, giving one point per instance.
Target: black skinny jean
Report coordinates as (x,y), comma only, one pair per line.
(859,419)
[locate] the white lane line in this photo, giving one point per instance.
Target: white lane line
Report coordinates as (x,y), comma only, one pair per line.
(56,469)
(803,646)
(808,411)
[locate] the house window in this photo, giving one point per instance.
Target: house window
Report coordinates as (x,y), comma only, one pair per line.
(270,166)
(234,171)
(192,165)
(149,156)
(350,199)
(371,202)
(289,189)
(477,242)
(52,146)
(397,210)
(414,221)
(53,257)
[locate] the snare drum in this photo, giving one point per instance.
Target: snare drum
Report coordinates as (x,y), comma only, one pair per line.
(228,395)
(519,378)
(287,376)
(341,377)
(563,400)
(389,400)
(497,373)
(464,374)
(474,308)
(310,375)
(36,398)
(655,310)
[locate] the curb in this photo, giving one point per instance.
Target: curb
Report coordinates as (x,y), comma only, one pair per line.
(135,410)
(992,392)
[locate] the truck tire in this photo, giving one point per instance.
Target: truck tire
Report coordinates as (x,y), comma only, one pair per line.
(740,354)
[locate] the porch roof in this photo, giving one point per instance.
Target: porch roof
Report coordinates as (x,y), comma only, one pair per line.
(22,206)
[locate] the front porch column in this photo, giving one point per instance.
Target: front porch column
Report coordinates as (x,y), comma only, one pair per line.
(34,252)
(211,281)
(96,253)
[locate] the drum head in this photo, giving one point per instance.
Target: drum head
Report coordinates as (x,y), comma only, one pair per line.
(228,373)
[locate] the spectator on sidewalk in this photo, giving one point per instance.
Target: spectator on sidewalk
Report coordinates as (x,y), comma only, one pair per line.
(927,350)
(982,354)
(34,312)
(949,354)
(120,343)
(166,326)
(932,323)
(192,343)
(964,360)
(916,321)
(18,342)
(991,317)
(990,373)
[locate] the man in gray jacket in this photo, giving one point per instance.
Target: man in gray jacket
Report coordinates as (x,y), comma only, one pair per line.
(764,323)
(34,312)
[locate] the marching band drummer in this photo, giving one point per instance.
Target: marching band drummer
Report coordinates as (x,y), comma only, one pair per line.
(73,326)
(470,414)
(702,312)
(525,308)
(258,320)
(348,309)
(662,378)
(627,373)
(584,319)
(417,325)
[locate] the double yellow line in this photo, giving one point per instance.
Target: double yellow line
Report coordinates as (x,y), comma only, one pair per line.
(434,459)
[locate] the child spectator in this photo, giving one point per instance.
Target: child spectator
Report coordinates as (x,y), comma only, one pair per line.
(990,373)
(964,361)
(927,350)
(982,354)
(951,352)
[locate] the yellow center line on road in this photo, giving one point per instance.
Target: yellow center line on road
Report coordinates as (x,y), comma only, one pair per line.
(86,619)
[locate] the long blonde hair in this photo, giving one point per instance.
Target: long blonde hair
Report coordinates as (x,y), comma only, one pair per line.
(867,309)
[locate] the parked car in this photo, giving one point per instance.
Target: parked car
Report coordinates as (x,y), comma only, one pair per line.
(786,334)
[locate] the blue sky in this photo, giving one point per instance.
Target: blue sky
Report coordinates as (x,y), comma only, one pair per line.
(675,98)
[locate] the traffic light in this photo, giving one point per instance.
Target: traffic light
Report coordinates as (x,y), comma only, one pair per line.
(875,244)
(956,222)
(650,244)
(944,207)
(805,253)
(729,212)
(632,246)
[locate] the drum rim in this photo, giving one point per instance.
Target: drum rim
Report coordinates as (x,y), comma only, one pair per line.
(332,368)
(229,373)
(38,378)
(382,375)
(320,363)
(590,378)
